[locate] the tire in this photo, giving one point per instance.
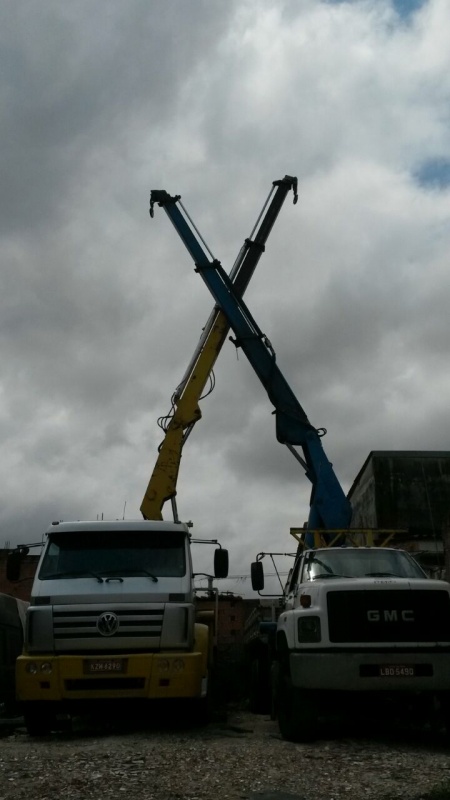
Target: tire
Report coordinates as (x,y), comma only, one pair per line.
(201,711)
(297,717)
(274,688)
(259,694)
(201,708)
(444,702)
(38,723)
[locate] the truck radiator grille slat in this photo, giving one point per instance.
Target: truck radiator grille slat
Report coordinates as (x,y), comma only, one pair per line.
(77,628)
(86,615)
(94,635)
(389,616)
(127,622)
(81,624)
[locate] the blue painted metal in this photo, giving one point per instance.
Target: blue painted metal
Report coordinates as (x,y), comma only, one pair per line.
(329,506)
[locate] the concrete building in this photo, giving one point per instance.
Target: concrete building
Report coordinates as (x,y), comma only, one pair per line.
(20,589)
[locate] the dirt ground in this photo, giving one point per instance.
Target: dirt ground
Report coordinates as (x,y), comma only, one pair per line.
(241,757)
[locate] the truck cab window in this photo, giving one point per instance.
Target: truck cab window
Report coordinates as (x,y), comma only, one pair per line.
(120,553)
(360,562)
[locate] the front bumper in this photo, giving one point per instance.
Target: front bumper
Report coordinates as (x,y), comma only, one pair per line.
(144,676)
(358,672)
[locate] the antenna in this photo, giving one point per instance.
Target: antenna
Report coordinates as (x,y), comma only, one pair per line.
(124,507)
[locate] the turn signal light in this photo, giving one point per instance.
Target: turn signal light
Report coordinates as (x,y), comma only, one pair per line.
(305,600)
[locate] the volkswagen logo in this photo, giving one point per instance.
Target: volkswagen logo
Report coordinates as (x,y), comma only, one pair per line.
(107,624)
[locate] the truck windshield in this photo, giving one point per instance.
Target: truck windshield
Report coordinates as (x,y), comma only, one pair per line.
(361,563)
(115,554)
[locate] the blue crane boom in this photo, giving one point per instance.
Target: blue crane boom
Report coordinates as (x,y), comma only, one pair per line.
(329,506)
(186,412)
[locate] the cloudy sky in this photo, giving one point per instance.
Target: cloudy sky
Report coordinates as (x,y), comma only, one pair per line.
(100,306)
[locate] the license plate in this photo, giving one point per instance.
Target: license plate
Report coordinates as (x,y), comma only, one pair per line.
(101,666)
(397,671)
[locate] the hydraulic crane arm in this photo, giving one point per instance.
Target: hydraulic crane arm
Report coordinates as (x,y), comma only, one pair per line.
(185,401)
(329,507)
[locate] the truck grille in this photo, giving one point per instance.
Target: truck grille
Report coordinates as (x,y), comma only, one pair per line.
(389,616)
(75,628)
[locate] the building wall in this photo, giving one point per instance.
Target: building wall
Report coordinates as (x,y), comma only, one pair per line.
(231,677)
(21,589)
(232,613)
(408,491)
(403,490)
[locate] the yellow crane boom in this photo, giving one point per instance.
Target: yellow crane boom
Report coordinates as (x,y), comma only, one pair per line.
(185,401)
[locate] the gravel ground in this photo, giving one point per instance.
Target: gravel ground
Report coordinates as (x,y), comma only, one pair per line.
(242,758)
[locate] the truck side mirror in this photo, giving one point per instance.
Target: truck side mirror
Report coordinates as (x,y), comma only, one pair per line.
(221,563)
(14,563)
(257,575)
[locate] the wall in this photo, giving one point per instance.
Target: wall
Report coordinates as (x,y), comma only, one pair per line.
(21,589)
(407,490)
(231,670)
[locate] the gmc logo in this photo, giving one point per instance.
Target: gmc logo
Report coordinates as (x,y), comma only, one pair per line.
(406,615)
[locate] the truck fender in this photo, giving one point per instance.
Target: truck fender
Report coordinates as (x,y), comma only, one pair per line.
(282,651)
(202,644)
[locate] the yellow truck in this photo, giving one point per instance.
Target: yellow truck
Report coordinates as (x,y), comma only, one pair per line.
(112,618)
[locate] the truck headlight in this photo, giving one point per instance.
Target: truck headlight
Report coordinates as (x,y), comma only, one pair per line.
(33,667)
(308,629)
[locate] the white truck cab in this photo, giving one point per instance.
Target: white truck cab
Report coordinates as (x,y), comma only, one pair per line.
(112,617)
(362,620)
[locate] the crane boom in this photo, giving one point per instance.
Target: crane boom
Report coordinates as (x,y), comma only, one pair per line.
(185,401)
(329,506)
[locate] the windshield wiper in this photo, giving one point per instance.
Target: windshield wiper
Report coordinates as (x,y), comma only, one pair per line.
(129,572)
(82,574)
(331,575)
(382,575)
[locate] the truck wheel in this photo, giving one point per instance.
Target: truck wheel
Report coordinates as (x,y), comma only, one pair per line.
(259,694)
(274,688)
(202,711)
(38,723)
(445,710)
(297,718)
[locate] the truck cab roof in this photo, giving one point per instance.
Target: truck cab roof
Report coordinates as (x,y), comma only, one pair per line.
(117,525)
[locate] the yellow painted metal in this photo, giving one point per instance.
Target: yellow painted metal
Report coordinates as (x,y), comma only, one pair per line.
(354,537)
(203,638)
(157,676)
(163,481)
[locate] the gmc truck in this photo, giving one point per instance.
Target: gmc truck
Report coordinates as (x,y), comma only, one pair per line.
(360,627)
